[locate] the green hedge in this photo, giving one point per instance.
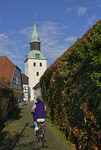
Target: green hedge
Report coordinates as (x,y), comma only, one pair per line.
(71,87)
(6,102)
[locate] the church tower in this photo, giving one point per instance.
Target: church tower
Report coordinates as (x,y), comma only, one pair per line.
(35,63)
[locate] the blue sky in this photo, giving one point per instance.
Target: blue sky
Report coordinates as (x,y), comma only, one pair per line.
(59,24)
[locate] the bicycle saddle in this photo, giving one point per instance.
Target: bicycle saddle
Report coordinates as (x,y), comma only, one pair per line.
(40,120)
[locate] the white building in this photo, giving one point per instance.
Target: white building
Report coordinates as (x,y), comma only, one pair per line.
(37,90)
(35,63)
(25,83)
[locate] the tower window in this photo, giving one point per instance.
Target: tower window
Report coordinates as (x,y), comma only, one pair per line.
(37,55)
(34,64)
(40,64)
(37,73)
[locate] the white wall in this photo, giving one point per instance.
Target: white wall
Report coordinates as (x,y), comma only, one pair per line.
(25,92)
(31,71)
(26,68)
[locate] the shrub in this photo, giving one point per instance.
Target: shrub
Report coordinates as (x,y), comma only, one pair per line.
(71,87)
(6,101)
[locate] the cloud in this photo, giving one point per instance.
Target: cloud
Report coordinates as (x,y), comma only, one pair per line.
(8,47)
(48,29)
(81,11)
(4,38)
(71,39)
(51,36)
(26,32)
(4,42)
(68,10)
(90,21)
(99,5)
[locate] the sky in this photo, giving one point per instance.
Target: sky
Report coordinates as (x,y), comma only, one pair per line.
(59,24)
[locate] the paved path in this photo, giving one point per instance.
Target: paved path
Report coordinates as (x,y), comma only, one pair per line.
(25,138)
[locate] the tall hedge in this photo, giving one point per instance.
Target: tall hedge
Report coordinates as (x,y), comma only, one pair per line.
(71,87)
(7,101)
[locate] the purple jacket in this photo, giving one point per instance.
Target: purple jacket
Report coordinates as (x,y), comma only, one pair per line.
(39,111)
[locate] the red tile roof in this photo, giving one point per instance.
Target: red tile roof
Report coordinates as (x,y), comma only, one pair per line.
(6,69)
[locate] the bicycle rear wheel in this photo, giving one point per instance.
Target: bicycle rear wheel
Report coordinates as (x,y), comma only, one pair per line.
(37,134)
(42,141)
(42,137)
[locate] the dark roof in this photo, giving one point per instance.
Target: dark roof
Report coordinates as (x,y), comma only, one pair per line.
(25,79)
(6,69)
(37,85)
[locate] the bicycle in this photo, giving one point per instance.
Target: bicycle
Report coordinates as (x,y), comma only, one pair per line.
(40,133)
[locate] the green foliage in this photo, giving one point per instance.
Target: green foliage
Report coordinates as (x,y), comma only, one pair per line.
(7,100)
(71,88)
(6,103)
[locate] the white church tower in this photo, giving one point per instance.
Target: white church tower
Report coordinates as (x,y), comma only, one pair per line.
(35,63)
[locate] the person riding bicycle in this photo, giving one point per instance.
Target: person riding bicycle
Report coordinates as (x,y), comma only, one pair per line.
(39,109)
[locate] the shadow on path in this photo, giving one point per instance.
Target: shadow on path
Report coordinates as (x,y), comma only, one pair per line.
(18,136)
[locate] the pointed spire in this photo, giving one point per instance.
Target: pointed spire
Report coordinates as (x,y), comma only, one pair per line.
(35,18)
(35,36)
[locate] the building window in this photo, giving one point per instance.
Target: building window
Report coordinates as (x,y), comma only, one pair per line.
(37,73)
(40,64)
(37,55)
(34,64)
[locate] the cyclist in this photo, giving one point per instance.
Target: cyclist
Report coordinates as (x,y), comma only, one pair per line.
(39,109)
